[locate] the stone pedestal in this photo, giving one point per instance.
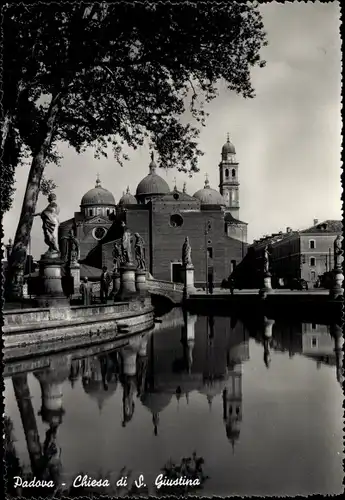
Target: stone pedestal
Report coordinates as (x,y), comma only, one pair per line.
(51,293)
(337,290)
(116,282)
(129,358)
(127,282)
(140,281)
(188,273)
(75,274)
(267,286)
(268,325)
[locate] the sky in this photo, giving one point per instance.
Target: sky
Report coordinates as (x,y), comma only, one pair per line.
(287,139)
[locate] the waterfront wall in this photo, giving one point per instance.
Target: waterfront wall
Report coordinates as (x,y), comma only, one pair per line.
(30,327)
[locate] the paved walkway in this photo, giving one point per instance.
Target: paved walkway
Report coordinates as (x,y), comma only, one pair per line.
(255,291)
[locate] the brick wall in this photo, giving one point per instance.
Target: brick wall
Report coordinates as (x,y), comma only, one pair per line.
(168,241)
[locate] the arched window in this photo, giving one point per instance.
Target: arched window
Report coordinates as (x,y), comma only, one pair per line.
(312,261)
(312,244)
(233,173)
(226,172)
(90,211)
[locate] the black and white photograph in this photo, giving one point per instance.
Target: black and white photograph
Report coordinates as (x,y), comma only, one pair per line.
(172,249)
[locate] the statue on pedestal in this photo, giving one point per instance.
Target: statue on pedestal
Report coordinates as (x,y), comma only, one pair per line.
(117,256)
(126,245)
(73,249)
(266,260)
(50,224)
(338,251)
(139,250)
(186,253)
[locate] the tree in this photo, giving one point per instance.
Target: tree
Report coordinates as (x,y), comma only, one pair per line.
(115,74)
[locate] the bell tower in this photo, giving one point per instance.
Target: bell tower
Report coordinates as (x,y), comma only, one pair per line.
(228,179)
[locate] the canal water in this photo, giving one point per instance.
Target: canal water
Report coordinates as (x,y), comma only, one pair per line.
(258,402)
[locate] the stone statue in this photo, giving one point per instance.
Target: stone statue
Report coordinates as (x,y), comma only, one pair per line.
(266,260)
(338,251)
(117,255)
(126,245)
(73,248)
(50,224)
(139,250)
(186,253)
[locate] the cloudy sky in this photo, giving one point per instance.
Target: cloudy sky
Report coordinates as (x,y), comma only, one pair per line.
(287,139)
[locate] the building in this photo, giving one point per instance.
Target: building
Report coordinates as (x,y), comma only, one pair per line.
(306,254)
(164,217)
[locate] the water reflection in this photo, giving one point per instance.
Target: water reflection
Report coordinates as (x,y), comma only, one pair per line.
(203,356)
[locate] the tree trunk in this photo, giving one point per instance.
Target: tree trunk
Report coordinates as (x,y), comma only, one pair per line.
(28,418)
(16,267)
(5,129)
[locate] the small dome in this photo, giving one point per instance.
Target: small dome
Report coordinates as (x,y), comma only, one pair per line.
(228,147)
(152,183)
(127,198)
(209,196)
(155,402)
(97,196)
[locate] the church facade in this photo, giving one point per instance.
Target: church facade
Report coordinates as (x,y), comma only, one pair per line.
(164,217)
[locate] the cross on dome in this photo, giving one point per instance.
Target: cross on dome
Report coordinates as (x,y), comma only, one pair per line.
(207,182)
(98,182)
(127,191)
(152,164)
(184,187)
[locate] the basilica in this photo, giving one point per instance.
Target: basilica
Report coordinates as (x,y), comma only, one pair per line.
(164,217)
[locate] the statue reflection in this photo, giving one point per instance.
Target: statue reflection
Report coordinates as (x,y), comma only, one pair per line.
(128,377)
(100,375)
(337,334)
(51,381)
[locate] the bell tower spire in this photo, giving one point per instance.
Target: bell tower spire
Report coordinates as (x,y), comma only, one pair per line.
(228,178)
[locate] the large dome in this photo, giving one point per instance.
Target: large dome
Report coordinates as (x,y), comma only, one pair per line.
(228,147)
(152,183)
(209,196)
(98,196)
(127,198)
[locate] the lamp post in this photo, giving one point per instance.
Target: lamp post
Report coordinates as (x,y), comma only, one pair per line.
(208,228)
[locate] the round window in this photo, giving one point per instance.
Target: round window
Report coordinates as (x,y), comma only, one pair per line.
(99,232)
(176,220)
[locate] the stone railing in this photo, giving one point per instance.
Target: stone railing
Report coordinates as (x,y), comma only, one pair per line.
(173,291)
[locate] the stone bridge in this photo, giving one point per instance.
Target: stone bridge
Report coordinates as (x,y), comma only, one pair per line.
(167,289)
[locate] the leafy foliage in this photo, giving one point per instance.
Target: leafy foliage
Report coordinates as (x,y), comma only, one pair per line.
(124,72)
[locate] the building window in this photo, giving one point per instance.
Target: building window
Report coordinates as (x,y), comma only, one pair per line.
(312,244)
(313,275)
(314,342)
(176,220)
(313,326)
(226,172)
(90,211)
(210,252)
(99,232)
(233,265)
(233,173)
(312,261)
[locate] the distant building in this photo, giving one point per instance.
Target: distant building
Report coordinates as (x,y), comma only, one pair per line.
(164,217)
(305,254)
